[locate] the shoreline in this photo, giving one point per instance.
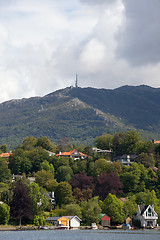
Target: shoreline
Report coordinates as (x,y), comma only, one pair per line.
(18,228)
(28,228)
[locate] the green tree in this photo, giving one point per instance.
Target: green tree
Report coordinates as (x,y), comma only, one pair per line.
(5,193)
(46,166)
(19,162)
(39,198)
(29,143)
(4,213)
(4,148)
(91,211)
(37,156)
(146,147)
(73,209)
(130,207)
(81,166)
(113,207)
(117,144)
(151,198)
(57,162)
(102,165)
(39,220)
(63,194)
(145,159)
(104,141)
(64,173)
(5,173)
(134,178)
(45,143)
(131,142)
(46,180)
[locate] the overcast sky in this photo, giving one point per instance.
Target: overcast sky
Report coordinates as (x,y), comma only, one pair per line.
(108,43)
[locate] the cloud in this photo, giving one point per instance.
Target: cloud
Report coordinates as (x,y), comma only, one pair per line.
(138,39)
(92,56)
(44,44)
(98,2)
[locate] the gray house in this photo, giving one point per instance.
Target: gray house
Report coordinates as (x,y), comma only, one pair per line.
(126,160)
(147,216)
(52,220)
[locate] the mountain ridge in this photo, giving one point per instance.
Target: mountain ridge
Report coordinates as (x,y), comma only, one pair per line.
(81,114)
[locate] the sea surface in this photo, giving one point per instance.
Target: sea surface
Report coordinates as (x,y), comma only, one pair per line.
(81,235)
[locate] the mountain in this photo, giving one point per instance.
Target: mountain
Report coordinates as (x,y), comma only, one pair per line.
(81,114)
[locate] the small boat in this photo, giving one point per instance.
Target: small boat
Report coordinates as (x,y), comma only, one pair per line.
(94,226)
(126,226)
(61,226)
(44,227)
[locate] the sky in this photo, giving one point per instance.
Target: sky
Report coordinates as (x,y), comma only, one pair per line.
(107,43)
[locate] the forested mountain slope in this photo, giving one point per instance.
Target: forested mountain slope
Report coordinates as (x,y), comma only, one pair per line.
(81,114)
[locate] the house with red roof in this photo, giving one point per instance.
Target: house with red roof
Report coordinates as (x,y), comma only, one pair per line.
(156,142)
(5,155)
(105,221)
(73,154)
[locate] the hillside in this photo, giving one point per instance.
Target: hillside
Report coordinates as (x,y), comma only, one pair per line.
(81,114)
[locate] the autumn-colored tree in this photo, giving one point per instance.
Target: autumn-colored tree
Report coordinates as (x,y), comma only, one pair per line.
(87,194)
(108,183)
(21,204)
(82,181)
(82,195)
(77,193)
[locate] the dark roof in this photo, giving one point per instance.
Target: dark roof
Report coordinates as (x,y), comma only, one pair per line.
(52,218)
(56,218)
(143,208)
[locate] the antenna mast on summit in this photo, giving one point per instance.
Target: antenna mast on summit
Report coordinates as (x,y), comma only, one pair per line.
(76,83)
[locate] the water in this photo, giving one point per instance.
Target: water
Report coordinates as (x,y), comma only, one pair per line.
(80,235)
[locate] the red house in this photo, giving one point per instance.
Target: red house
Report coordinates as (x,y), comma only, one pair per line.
(105,220)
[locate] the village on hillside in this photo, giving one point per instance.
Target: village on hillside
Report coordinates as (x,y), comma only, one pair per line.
(113,184)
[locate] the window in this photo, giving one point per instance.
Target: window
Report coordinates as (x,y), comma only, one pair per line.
(149,212)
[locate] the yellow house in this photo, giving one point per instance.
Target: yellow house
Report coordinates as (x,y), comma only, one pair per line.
(64,221)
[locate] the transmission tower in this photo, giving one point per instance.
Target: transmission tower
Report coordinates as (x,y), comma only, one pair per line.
(76,83)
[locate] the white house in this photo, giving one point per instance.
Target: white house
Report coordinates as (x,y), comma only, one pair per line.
(74,221)
(147,216)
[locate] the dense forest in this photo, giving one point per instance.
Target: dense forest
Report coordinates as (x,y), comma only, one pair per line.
(85,187)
